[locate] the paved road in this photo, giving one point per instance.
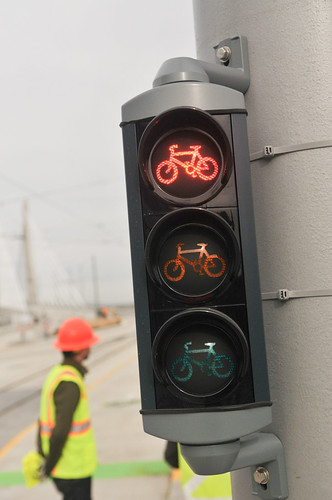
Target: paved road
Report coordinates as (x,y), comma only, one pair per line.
(130,461)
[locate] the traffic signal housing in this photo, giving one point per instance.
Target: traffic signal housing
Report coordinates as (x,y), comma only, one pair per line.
(202,361)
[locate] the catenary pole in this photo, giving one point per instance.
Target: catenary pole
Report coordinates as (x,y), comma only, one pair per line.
(289,103)
(31,278)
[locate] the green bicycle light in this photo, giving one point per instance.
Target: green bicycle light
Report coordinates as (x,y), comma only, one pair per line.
(200,354)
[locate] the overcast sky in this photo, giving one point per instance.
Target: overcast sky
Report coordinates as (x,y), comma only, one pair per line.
(66,67)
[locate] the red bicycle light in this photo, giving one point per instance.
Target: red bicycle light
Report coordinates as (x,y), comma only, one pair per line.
(192,163)
(185,156)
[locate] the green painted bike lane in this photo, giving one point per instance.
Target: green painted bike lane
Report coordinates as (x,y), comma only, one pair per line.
(104,471)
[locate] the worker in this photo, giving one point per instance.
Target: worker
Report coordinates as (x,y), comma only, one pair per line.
(65,437)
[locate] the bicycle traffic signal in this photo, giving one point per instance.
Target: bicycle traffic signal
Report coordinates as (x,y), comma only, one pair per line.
(200,335)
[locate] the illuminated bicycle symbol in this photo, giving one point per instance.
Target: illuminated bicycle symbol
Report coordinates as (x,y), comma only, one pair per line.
(211,264)
(220,366)
(204,167)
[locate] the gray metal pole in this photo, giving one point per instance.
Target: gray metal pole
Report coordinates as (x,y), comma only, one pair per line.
(289,103)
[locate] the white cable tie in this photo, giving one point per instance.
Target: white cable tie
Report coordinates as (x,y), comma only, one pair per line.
(284,294)
(270,151)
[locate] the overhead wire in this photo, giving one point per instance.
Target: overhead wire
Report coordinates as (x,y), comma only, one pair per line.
(43,197)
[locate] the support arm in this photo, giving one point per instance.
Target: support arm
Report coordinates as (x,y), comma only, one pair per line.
(234,75)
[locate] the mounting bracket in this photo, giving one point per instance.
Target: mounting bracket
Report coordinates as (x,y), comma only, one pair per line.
(230,70)
(263,452)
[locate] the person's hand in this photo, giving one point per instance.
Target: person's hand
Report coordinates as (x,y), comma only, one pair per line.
(41,473)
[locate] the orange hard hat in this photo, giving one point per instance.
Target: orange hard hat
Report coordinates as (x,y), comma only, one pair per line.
(75,334)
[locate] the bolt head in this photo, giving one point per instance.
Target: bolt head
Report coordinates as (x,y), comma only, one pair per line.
(223,54)
(261,475)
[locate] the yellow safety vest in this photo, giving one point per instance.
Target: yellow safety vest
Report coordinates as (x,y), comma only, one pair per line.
(204,487)
(79,457)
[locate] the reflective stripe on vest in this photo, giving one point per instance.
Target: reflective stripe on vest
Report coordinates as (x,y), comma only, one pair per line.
(76,428)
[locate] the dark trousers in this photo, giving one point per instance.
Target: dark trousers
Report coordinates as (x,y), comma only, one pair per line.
(74,489)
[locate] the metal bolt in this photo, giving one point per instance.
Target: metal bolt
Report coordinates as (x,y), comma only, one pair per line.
(261,475)
(224,54)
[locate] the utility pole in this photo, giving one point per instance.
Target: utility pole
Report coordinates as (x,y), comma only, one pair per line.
(95,281)
(290,137)
(31,280)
